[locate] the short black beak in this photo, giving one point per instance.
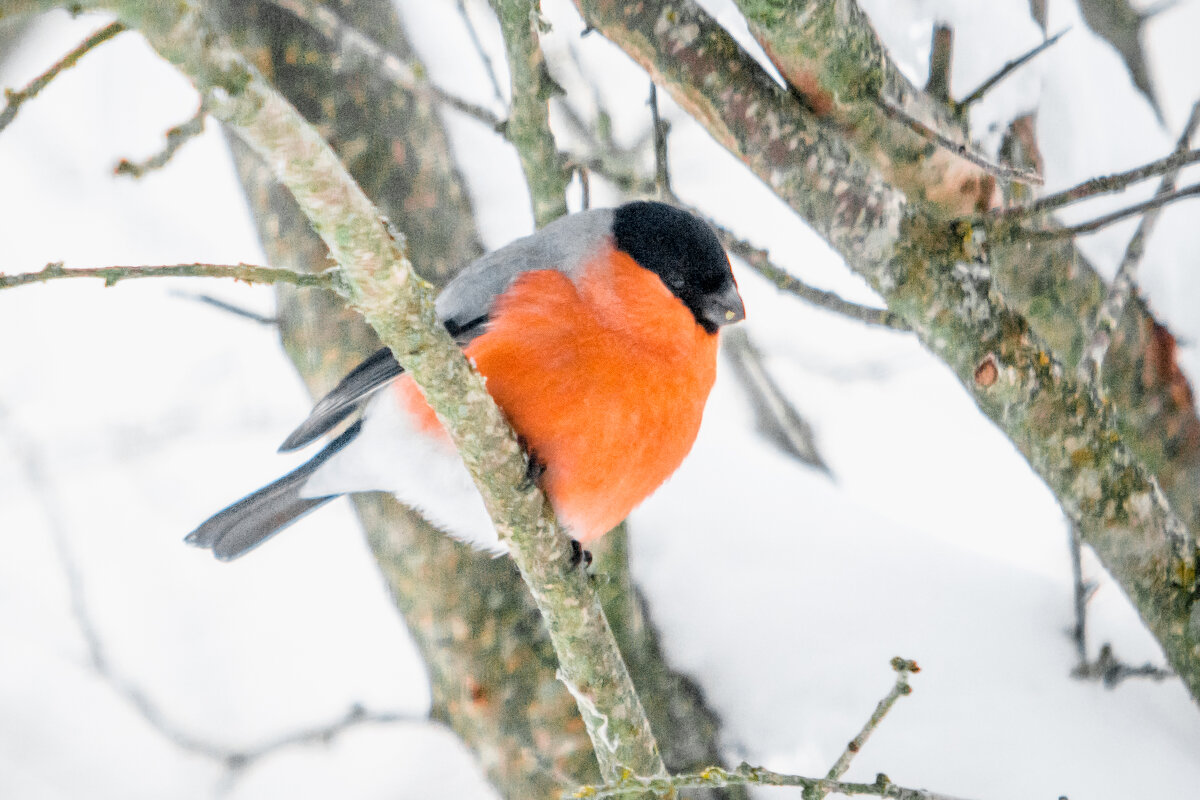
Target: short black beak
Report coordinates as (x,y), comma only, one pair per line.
(723,307)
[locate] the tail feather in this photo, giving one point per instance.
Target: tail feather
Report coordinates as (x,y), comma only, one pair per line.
(255,518)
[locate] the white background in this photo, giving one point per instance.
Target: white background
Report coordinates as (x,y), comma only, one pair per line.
(127,415)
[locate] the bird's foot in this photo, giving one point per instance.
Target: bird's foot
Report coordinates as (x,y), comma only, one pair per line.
(579,555)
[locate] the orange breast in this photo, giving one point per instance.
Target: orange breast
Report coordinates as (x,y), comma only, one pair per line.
(606,382)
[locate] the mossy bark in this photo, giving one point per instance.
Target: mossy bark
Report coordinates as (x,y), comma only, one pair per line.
(933,276)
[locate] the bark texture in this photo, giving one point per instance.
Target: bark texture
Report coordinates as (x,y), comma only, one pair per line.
(937,279)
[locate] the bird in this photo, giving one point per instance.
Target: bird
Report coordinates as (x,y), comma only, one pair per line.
(597,337)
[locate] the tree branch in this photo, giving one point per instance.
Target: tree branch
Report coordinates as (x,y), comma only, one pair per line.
(16,98)
(930,274)
(903,668)
(233,759)
(247,273)
(1095,187)
(1091,226)
(177,137)
(1008,69)
(1110,311)
(746,775)
(354,44)
(828,52)
(529,123)
(380,283)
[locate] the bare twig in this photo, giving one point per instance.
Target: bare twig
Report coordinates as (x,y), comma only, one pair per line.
(1094,187)
(1107,668)
(237,311)
(16,98)
(777,419)
(176,138)
(1008,69)
(233,759)
(480,51)
(746,775)
(760,261)
(1158,201)
(903,668)
(958,148)
(247,273)
(353,43)
(940,60)
(1111,672)
(660,129)
(1082,595)
(1109,313)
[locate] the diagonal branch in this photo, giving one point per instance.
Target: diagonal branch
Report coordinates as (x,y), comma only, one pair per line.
(16,98)
(931,274)
(380,283)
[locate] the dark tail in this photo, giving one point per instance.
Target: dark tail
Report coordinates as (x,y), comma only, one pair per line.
(255,518)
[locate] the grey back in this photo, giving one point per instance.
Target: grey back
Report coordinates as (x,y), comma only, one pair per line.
(564,245)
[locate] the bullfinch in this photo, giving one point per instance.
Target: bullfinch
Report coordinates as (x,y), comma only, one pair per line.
(598,339)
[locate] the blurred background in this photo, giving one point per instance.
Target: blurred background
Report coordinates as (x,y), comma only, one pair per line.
(131,665)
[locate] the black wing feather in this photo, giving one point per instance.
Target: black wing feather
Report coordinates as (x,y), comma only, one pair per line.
(363,380)
(379,368)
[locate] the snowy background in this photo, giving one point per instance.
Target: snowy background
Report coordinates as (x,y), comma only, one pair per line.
(127,415)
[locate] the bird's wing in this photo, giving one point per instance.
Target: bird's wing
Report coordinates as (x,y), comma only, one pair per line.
(464,305)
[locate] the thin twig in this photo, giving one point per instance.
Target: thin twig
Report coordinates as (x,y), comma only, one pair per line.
(1094,187)
(1107,668)
(760,261)
(1109,314)
(1082,595)
(1108,219)
(903,668)
(746,775)
(1008,69)
(488,65)
(1111,671)
(777,418)
(960,149)
(176,138)
(660,128)
(349,41)
(112,275)
(236,310)
(233,759)
(16,98)
(940,60)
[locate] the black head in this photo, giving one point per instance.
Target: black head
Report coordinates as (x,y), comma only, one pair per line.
(685,253)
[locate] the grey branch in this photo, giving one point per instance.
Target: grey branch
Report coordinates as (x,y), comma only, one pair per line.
(746,775)
(177,137)
(380,283)
(960,149)
(903,668)
(233,759)
(353,43)
(1008,69)
(247,273)
(1110,311)
(16,98)
(777,419)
